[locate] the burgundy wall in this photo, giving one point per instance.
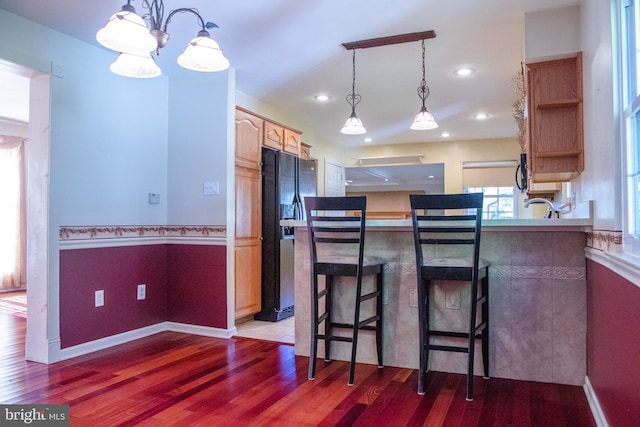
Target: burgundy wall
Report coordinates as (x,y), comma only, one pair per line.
(117,271)
(197,285)
(613,344)
(185,284)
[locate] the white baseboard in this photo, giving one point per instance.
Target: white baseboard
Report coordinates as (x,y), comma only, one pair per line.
(594,404)
(103,343)
(200,330)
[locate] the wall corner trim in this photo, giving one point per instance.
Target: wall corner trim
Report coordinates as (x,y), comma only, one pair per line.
(107,342)
(594,404)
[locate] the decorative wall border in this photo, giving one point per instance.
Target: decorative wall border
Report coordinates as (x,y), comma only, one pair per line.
(140,231)
(516,271)
(605,240)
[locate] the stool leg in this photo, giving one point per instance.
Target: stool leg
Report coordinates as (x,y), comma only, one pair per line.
(472,336)
(356,329)
(485,332)
(328,326)
(423,330)
(313,347)
(379,321)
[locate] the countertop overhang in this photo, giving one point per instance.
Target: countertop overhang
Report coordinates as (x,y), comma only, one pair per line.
(550,224)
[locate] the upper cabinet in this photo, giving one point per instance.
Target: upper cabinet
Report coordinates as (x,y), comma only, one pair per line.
(555,130)
(305,151)
(281,138)
(292,141)
(249,135)
(273,136)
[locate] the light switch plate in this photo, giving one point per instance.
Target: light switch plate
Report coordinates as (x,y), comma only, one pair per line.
(154,198)
(211,188)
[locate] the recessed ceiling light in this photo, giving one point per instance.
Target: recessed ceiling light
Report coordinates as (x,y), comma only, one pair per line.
(445,134)
(367,139)
(481,116)
(431,176)
(464,71)
(322,98)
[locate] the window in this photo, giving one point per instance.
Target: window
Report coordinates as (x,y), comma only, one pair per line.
(630,98)
(499,202)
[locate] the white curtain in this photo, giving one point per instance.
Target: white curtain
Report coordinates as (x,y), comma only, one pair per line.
(13,228)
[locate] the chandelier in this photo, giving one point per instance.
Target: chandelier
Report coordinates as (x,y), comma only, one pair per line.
(127,33)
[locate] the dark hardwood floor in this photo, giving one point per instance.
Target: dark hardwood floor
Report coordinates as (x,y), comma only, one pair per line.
(187,380)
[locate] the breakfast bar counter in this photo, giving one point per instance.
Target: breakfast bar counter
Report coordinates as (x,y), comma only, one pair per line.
(537,306)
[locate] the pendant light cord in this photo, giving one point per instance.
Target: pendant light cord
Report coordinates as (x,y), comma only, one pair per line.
(423,89)
(353,98)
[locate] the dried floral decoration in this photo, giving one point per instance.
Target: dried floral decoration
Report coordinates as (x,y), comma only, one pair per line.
(518,108)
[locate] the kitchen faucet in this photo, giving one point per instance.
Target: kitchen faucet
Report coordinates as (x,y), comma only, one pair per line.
(550,212)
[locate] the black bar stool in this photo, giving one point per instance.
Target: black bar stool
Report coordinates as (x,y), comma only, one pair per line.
(336,228)
(432,227)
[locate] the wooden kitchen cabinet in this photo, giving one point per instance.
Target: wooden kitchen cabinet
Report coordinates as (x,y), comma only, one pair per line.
(253,132)
(292,142)
(282,138)
(248,242)
(249,130)
(273,136)
(555,123)
(248,214)
(305,151)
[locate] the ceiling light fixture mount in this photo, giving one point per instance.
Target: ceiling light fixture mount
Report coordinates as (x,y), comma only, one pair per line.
(127,33)
(424,119)
(353,125)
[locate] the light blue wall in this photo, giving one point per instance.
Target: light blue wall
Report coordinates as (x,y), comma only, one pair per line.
(108,133)
(116,139)
(201,132)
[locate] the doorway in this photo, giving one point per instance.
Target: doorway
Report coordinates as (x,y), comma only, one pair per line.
(42,339)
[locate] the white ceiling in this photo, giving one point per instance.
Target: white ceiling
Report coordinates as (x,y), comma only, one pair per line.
(286,51)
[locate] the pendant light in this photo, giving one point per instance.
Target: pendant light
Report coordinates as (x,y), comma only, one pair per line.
(353,125)
(424,119)
(127,33)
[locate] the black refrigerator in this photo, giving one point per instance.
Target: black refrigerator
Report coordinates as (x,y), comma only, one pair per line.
(286,180)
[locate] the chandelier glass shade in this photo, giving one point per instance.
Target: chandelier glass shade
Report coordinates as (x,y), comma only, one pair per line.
(203,54)
(135,65)
(424,120)
(353,125)
(127,33)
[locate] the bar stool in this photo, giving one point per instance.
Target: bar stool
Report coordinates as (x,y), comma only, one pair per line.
(457,258)
(336,228)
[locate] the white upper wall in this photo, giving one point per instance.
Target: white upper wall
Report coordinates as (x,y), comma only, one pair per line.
(602,179)
(551,33)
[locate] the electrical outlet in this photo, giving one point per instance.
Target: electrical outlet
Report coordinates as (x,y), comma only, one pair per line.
(452,300)
(99,298)
(142,292)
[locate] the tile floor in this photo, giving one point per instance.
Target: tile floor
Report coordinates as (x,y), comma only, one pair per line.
(282,331)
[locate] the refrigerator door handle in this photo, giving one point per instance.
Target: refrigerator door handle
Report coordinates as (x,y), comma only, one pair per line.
(297,210)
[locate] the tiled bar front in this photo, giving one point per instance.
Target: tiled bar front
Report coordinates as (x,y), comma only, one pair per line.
(537,304)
